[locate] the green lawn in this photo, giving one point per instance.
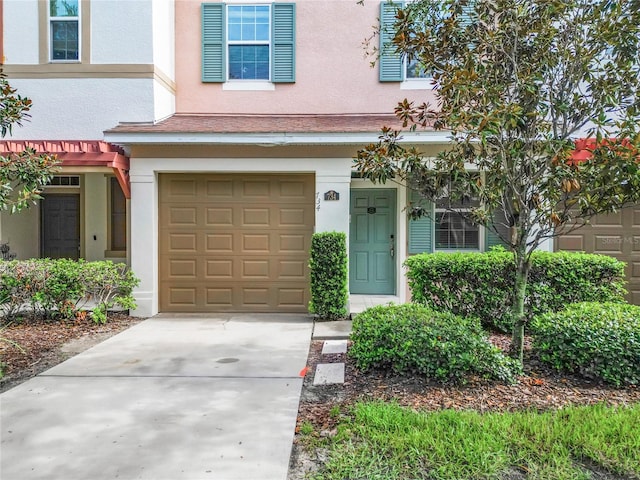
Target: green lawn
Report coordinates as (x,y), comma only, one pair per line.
(381,441)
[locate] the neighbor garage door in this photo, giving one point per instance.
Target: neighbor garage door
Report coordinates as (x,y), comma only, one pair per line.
(617,235)
(235,242)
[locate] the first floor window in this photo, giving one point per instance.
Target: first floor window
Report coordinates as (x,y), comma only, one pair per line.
(64,29)
(454,232)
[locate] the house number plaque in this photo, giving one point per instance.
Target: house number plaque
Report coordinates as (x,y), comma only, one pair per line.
(331,195)
(371,210)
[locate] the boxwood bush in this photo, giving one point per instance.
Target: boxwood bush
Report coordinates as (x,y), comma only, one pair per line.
(59,288)
(328,264)
(413,339)
(595,340)
(481,284)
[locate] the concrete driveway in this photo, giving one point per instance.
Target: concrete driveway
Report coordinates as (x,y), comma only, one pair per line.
(174,397)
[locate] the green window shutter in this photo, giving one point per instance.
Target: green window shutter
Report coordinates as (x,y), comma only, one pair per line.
(283,35)
(420,230)
(491,238)
(214,68)
(390,62)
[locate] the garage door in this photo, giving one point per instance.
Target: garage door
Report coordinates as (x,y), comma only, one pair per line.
(236,243)
(615,234)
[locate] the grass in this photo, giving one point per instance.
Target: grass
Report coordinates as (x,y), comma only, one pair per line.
(382,441)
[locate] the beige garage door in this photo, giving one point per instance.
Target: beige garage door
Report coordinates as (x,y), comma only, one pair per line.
(235,242)
(617,235)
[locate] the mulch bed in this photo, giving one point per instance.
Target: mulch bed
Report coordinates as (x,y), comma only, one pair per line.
(35,345)
(540,388)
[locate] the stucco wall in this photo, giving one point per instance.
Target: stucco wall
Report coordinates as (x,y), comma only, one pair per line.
(20,31)
(164,36)
(332,73)
(95,216)
(121,31)
(22,232)
(70,108)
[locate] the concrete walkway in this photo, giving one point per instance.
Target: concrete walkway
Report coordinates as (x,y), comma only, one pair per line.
(174,397)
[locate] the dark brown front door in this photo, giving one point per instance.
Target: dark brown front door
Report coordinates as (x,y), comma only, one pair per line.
(60,220)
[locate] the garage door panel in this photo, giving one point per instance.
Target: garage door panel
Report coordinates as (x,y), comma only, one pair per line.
(571,242)
(608,244)
(294,191)
(235,242)
(290,297)
(292,243)
(218,190)
(256,217)
(255,269)
(186,269)
(219,243)
(608,220)
(253,189)
(183,216)
(219,217)
(182,242)
(181,189)
(182,296)
(219,269)
(291,269)
(292,217)
(255,243)
(219,298)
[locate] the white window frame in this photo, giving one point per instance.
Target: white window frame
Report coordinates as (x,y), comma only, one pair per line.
(50,33)
(240,83)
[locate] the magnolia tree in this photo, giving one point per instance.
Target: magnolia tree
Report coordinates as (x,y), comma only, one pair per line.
(517,82)
(24,174)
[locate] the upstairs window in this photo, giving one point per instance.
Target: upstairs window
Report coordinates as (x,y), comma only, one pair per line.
(394,67)
(64,30)
(248,42)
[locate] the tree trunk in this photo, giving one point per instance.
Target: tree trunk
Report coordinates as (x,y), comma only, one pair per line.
(519,319)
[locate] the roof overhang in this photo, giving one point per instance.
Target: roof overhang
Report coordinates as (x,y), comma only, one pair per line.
(268,130)
(78,153)
(269,139)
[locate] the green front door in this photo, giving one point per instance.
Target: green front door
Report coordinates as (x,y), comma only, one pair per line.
(372,242)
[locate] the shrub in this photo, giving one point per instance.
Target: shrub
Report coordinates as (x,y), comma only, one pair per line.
(58,294)
(19,281)
(413,339)
(481,284)
(595,340)
(108,284)
(328,264)
(56,288)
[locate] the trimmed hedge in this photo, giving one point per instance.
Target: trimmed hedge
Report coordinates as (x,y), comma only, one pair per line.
(59,288)
(413,339)
(328,264)
(481,284)
(595,340)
